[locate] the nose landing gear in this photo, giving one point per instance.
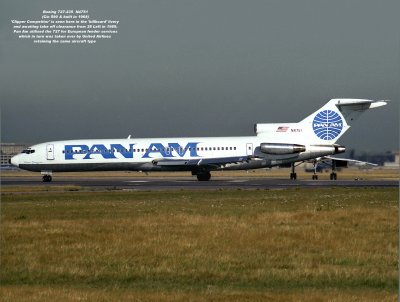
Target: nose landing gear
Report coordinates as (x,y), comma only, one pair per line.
(46,176)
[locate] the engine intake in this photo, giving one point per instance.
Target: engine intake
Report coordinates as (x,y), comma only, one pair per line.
(274,148)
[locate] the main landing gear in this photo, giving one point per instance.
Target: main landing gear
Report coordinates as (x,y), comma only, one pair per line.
(315,176)
(333,175)
(293,175)
(205,176)
(202,176)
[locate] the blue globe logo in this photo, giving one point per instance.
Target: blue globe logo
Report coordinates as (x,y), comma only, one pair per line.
(327,124)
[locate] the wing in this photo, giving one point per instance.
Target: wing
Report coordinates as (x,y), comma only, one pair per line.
(343,162)
(215,162)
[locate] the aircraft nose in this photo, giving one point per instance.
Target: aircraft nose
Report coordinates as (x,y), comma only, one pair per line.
(15,160)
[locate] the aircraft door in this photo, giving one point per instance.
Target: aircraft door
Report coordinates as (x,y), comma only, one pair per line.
(249,149)
(50,151)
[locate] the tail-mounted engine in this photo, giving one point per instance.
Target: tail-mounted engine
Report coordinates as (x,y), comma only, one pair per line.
(276,148)
(339,149)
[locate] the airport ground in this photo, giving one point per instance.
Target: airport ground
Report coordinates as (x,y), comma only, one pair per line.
(76,243)
(254,179)
(379,173)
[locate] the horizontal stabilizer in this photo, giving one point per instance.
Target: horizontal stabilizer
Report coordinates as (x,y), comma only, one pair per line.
(360,103)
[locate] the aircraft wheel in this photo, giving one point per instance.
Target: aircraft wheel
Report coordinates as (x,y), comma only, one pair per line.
(46,178)
(315,177)
(203,176)
(333,176)
(293,176)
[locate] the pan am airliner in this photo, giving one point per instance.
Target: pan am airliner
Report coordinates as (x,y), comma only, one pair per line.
(279,144)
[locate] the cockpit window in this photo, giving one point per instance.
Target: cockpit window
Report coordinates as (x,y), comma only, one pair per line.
(28,151)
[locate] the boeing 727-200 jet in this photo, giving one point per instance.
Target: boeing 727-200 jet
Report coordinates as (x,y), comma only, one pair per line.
(279,144)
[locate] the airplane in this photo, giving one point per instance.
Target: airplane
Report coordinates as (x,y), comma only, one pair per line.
(277,144)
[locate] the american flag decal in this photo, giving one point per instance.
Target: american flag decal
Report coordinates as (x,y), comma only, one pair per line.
(282,129)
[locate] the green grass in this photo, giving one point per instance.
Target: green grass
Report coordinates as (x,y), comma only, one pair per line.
(220,245)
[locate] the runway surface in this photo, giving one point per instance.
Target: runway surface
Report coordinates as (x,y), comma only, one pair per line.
(190,183)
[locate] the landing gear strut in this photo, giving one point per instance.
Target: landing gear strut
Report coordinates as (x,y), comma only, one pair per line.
(315,176)
(293,175)
(203,176)
(333,175)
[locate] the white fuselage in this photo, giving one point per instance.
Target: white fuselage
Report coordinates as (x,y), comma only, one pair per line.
(158,154)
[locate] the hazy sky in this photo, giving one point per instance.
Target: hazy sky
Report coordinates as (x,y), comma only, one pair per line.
(202,68)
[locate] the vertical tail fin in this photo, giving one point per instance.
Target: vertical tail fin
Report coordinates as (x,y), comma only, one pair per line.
(330,122)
